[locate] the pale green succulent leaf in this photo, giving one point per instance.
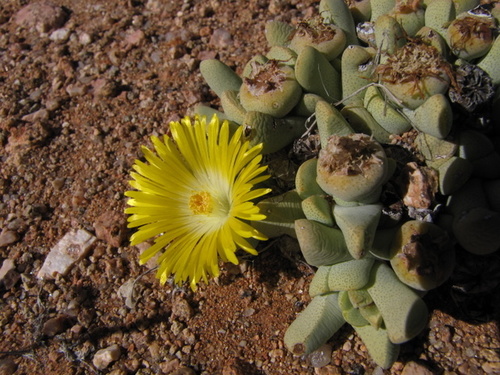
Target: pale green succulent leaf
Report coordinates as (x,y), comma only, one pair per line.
(317,75)
(281,212)
(411,22)
(492,192)
(356,72)
(465,5)
(337,12)
(358,224)
(305,180)
(363,122)
(438,15)
(473,145)
(219,76)
(306,105)
(490,62)
(380,348)
(204,110)
(350,275)
(360,298)
(315,325)
(272,132)
(453,173)
(381,246)
(404,312)
(278,33)
(330,121)
(434,116)
(276,101)
(432,38)
(469,196)
(318,208)
(351,314)
(372,314)
(258,59)
(321,245)
(384,113)
(477,230)
(319,283)
(284,55)
(433,148)
(389,35)
(380,7)
(483,167)
(233,109)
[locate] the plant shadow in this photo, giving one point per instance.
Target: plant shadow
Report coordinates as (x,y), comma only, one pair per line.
(472,294)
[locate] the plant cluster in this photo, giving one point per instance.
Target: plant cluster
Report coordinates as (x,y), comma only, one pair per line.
(403,97)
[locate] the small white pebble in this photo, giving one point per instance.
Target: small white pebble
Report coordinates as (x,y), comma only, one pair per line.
(60,35)
(321,356)
(70,249)
(104,357)
(84,39)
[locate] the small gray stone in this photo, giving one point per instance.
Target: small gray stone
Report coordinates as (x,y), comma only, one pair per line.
(181,309)
(103,87)
(8,274)
(56,325)
(8,237)
(176,327)
(42,16)
(168,367)
(127,291)
(85,39)
(135,37)
(221,38)
(415,368)
(76,89)
(60,35)
(40,115)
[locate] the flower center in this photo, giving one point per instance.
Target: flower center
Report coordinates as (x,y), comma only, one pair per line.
(201,203)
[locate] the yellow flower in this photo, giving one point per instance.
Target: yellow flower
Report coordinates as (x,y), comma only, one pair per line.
(194,196)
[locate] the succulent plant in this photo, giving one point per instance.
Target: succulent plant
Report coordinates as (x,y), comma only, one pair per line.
(471,36)
(366,294)
(352,168)
(403,97)
(270,88)
(422,255)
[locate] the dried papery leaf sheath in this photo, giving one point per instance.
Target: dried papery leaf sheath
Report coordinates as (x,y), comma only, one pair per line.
(415,72)
(350,156)
(471,37)
(328,39)
(315,30)
(265,78)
